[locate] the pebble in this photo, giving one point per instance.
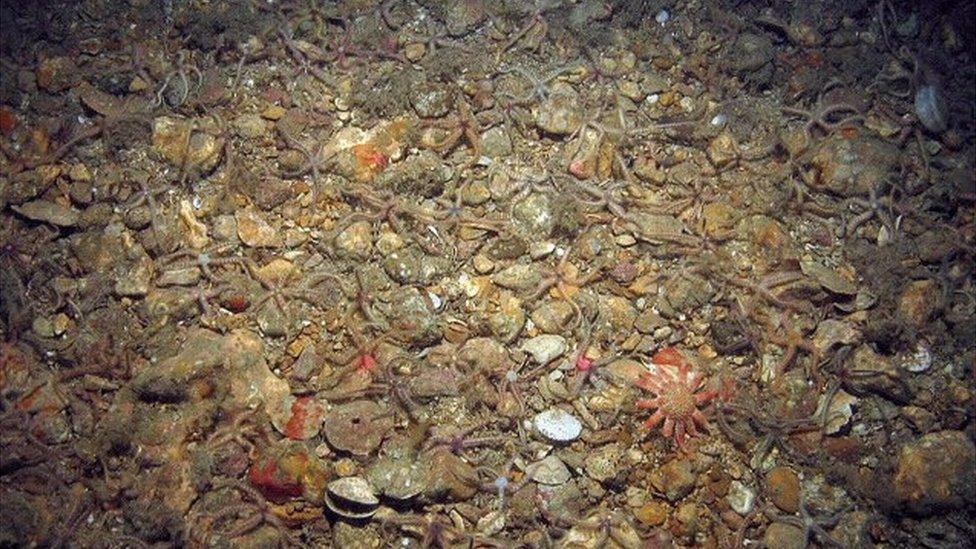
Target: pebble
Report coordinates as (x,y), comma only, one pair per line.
(784,536)
(552,316)
(852,167)
(557,425)
(538,250)
(432,101)
(56,74)
(919,300)
(602,464)
(559,115)
(675,479)
(936,473)
(48,212)
(274,112)
(250,126)
(175,141)
(741,498)
(545,348)
(653,513)
(356,240)
(496,143)
(134,282)
(551,471)
(723,150)
(254,231)
(519,277)
(783,489)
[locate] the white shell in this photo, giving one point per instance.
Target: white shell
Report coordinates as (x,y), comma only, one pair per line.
(354,489)
(557,425)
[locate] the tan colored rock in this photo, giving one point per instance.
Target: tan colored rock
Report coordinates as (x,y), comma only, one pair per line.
(919,301)
(675,479)
(723,150)
(56,74)
(936,473)
(783,489)
(255,232)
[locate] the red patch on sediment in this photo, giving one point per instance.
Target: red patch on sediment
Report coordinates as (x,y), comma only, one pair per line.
(299,415)
(367,362)
(8,120)
(271,482)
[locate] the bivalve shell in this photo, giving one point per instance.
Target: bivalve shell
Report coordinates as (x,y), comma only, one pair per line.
(351,497)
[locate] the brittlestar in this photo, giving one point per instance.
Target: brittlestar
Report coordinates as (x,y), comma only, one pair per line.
(464,126)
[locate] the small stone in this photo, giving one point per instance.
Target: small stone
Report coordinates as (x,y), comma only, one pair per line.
(48,212)
(784,536)
(80,172)
(723,150)
(624,372)
(254,231)
(919,301)
(482,264)
(853,167)
(175,141)
(475,193)
(559,115)
(538,250)
(414,51)
(652,514)
(783,489)
(518,277)
(553,316)
(557,425)
(741,498)
(545,348)
(42,327)
(829,278)
(631,91)
(603,464)
(675,479)
(357,427)
(298,418)
(534,216)
(274,112)
(56,74)
(345,467)
(496,143)
(718,219)
(432,101)
(356,240)
(551,471)
(250,126)
(135,281)
(936,473)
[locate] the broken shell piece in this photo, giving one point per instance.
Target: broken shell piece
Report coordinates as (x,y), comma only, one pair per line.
(557,425)
(840,412)
(351,497)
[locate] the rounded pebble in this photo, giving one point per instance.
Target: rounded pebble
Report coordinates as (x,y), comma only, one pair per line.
(557,425)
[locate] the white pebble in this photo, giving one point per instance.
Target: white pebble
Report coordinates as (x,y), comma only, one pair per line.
(557,425)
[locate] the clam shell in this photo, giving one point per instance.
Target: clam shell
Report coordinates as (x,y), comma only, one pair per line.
(351,497)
